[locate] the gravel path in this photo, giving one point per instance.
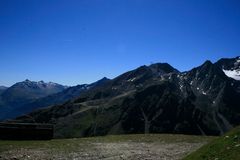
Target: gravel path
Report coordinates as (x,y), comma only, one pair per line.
(108,151)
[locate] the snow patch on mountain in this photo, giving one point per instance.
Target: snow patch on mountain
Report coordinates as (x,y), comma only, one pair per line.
(132,79)
(235,74)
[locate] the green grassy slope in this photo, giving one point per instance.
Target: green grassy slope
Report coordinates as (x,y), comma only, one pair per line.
(226,147)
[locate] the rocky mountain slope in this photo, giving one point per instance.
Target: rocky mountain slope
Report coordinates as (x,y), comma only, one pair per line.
(152,99)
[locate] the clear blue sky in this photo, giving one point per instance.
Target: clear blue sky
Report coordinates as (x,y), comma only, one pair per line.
(80,41)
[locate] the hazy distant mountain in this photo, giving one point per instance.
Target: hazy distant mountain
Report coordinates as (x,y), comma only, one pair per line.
(155,99)
(25,92)
(29,90)
(2,88)
(58,98)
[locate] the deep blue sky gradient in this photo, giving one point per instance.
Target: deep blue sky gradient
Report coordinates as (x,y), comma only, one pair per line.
(80,41)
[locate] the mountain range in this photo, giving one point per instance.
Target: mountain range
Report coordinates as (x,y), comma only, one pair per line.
(150,99)
(21,93)
(27,96)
